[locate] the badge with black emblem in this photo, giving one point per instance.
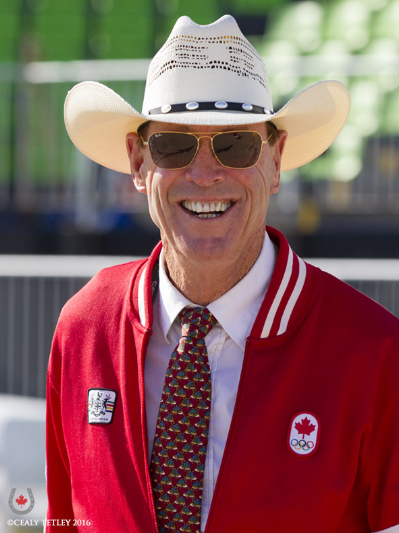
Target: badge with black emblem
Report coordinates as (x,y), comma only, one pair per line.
(100,405)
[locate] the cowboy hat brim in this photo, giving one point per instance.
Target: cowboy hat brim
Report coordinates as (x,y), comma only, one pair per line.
(97,120)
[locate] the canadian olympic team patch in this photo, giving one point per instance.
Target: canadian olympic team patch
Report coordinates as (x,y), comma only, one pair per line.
(100,406)
(304,434)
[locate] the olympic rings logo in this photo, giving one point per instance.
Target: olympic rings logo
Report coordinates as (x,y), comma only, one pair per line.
(302,444)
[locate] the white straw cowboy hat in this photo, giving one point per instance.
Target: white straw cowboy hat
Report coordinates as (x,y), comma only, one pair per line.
(205,75)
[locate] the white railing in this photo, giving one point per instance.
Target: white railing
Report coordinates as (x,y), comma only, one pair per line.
(33,290)
(136,69)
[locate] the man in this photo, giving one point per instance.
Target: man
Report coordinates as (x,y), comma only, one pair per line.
(222,384)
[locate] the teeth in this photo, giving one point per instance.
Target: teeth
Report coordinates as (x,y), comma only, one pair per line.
(206,210)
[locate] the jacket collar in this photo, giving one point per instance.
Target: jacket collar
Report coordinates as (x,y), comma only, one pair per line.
(283,302)
(236,310)
(285,291)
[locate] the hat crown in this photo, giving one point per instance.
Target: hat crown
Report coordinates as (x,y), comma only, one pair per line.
(207,63)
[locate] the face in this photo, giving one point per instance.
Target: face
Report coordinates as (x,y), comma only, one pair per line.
(180,201)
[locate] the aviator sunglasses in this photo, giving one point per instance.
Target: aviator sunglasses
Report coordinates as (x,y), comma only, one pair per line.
(174,150)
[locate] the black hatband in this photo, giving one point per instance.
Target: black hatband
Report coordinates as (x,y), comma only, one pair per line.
(209,106)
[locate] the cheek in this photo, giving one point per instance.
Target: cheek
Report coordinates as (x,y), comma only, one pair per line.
(262,185)
(157,190)
(261,191)
(155,204)
(149,178)
(269,175)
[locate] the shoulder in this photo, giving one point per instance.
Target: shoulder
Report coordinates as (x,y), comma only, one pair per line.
(351,313)
(357,335)
(106,294)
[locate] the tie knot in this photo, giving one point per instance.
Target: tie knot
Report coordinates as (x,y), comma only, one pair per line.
(196,321)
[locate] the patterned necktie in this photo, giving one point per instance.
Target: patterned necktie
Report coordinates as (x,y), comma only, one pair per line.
(181,437)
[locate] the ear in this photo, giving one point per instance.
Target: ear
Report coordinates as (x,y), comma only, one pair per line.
(278,153)
(136,159)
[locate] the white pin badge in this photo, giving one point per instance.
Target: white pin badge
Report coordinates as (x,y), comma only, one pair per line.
(304,434)
(100,406)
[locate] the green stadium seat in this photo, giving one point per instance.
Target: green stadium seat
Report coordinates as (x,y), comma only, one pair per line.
(390,114)
(386,51)
(333,54)
(5,131)
(281,64)
(348,21)
(60,37)
(256,7)
(300,23)
(386,22)
(203,12)
(127,36)
(125,7)
(58,7)
(9,34)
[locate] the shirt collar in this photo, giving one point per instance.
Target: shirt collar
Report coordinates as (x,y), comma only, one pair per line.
(235,310)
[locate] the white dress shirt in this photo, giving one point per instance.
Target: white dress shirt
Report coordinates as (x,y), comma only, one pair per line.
(235,311)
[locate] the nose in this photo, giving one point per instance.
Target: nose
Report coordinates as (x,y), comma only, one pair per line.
(205,170)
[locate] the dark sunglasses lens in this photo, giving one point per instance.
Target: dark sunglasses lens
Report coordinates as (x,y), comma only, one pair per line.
(171,150)
(238,149)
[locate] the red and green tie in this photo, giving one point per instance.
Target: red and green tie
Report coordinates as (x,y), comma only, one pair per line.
(181,437)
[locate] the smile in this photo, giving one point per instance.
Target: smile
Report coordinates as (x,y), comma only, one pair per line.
(206,209)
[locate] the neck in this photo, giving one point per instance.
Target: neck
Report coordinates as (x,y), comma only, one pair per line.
(204,282)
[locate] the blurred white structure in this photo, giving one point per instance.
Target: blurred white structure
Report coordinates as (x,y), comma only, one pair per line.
(33,290)
(22,457)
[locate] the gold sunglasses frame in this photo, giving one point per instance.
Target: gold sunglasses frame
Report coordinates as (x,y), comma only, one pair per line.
(210,135)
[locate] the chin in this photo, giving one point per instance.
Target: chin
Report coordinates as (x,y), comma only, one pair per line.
(209,249)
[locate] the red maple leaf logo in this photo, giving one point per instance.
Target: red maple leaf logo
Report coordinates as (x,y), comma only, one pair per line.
(21,500)
(305,427)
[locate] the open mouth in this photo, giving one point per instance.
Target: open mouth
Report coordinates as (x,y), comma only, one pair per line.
(206,209)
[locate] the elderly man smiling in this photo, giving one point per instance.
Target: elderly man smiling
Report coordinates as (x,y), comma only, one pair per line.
(222,384)
(211,217)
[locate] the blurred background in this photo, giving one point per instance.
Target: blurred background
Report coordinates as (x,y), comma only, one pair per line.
(62,217)
(55,201)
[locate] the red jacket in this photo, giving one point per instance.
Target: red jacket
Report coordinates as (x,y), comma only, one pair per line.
(314,440)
